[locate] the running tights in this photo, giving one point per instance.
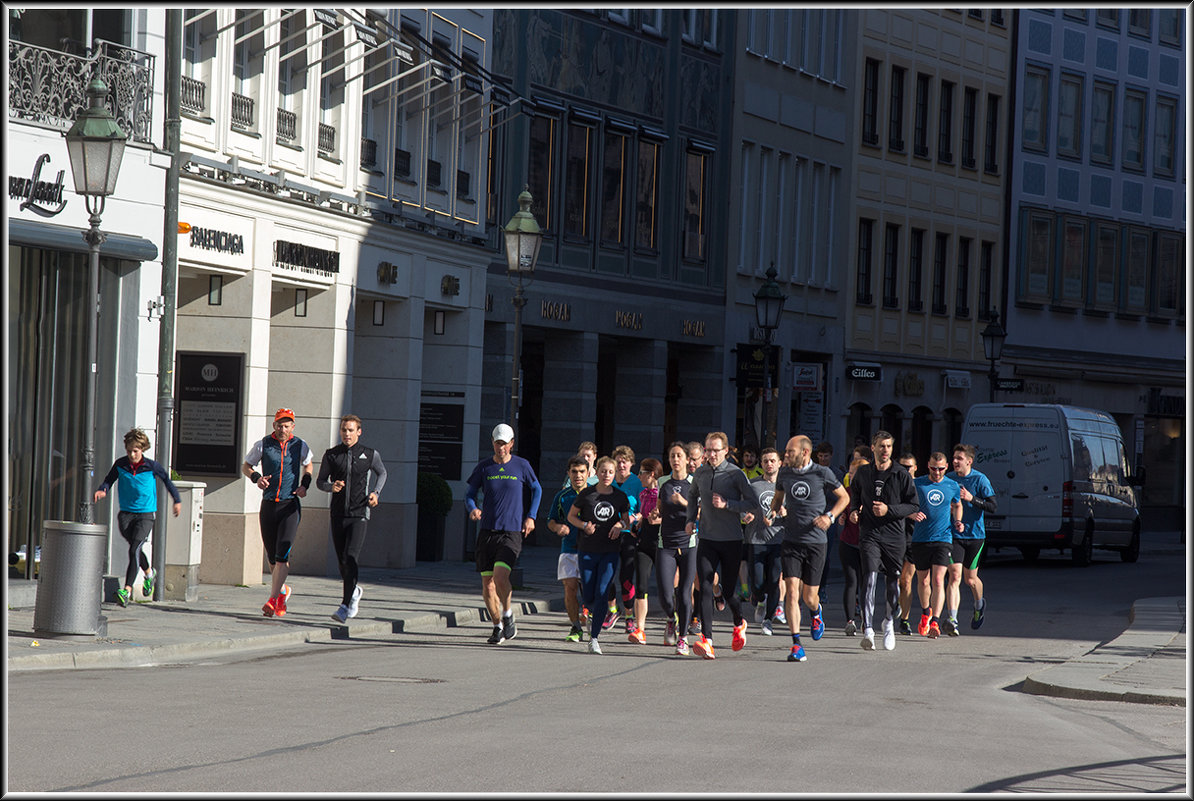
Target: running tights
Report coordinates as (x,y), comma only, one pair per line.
(596,576)
(723,558)
(348,535)
(677,599)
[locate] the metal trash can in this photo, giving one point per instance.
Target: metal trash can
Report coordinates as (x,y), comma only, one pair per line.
(71,583)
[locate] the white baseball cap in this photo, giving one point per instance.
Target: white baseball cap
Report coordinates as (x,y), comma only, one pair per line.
(503,433)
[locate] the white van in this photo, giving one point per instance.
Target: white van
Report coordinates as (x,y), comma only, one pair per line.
(1060,476)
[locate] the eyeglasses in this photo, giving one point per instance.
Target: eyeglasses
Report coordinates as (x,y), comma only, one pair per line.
(714,450)
(936,469)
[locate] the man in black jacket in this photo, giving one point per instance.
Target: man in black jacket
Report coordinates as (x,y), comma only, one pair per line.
(344,472)
(881,496)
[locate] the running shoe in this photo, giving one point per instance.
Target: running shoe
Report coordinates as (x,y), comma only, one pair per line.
(765,627)
(923,628)
(150,575)
(704,647)
(509,630)
(868,640)
(760,613)
(637,636)
(356,600)
(851,627)
(280,603)
(934,631)
(341,614)
(594,648)
(584,616)
(779,615)
(669,633)
(123,596)
(977,620)
(630,626)
(682,647)
(496,637)
(905,628)
(269,609)
(719,601)
(739,638)
(573,634)
(797,654)
(950,626)
(694,628)
(743,592)
(611,617)
(888,635)
(818,624)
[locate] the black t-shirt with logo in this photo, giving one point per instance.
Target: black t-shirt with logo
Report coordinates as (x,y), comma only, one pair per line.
(603,511)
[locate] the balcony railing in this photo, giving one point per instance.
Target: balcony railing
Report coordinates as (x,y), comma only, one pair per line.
(287,126)
(47,86)
(242,112)
(434,172)
(327,139)
(368,153)
(402,162)
(194,95)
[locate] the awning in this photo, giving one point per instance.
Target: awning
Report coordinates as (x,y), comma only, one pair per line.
(53,236)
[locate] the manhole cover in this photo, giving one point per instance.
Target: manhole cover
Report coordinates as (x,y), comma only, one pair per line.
(395,679)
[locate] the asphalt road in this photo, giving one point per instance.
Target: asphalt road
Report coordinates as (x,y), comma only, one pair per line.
(446,712)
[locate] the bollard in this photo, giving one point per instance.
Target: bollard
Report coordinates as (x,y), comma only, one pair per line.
(70,586)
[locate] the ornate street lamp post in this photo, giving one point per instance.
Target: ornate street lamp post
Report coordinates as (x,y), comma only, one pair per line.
(769,305)
(523,239)
(993,336)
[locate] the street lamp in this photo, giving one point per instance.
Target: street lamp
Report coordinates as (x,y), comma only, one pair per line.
(95,145)
(769,305)
(993,336)
(523,239)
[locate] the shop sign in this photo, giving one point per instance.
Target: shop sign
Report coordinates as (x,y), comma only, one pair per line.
(207,425)
(306,259)
(632,321)
(753,367)
(860,371)
(692,328)
(441,439)
(33,192)
(806,376)
(553,310)
(219,241)
(1009,384)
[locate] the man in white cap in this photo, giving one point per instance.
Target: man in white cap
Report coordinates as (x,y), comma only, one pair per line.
(504,524)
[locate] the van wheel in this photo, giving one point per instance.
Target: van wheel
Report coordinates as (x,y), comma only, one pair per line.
(1132,552)
(1083,552)
(1030,554)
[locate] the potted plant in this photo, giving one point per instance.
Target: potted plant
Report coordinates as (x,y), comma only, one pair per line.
(434,498)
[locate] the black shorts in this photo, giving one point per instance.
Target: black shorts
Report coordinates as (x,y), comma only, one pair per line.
(803,561)
(967,552)
(135,526)
(497,547)
(885,555)
(279,526)
(926,554)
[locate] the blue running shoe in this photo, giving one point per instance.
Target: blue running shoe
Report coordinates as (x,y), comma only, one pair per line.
(797,654)
(818,624)
(977,620)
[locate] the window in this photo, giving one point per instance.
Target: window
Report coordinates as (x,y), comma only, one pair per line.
(1132,153)
(997,17)
(292,72)
(199,51)
(1037,264)
(870,101)
(1107,18)
(1134,298)
(891,267)
(247,66)
(1139,22)
(975,13)
(1036,109)
(945,125)
(939,255)
(962,306)
(331,102)
(920,141)
(1102,124)
(576,180)
(969,115)
(863,290)
(695,176)
(1169,25)
(1163,136)
(1075,233)
(1076,13)
(1103,283)
(991,137)
(986,266)
(1167,278)
(646,226)
(613,190)
(895,120)
(916,252)
(541,168)
(1069,116)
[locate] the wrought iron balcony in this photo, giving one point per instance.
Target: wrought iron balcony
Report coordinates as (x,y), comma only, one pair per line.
(327,139)
(287,126)
(368,153)
(242,112)
(47,86)
(402,162)
(194,95)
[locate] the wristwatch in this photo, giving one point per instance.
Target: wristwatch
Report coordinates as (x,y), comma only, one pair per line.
(830,516)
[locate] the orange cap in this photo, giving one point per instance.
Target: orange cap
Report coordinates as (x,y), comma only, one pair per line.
(283,414)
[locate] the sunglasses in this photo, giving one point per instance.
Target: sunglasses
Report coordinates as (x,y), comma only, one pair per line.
(936,469)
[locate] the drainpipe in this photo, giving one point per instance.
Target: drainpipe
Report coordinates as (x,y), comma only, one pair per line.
(169,287)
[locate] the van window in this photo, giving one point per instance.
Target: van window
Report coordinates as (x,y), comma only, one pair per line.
(1085,462)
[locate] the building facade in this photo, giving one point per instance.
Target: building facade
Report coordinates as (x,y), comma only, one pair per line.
(1097,244)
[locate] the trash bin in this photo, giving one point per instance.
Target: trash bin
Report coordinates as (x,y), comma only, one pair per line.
(70,587)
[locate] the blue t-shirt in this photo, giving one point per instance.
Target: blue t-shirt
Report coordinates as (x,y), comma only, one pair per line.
(501,509)
(138,489)
(935,501)
(559,513)
(979,486)
(632,486)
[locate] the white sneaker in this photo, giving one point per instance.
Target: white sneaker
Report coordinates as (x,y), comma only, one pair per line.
(356,599)
(766,627)
(888,635)
(760,613)
(594,648)
(851,627)
(341,614)
(868,640)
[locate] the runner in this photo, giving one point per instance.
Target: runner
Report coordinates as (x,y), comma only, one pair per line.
(805,488)
(978,497)
(881,496)
(908,571)
(675,561)
(568,566)
(599,514)
(344,472)
(646,543)
(765,536)
(283,457)
(940,511)
(503,525)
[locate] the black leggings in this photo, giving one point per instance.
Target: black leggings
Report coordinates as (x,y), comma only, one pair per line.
(724,558)
(279,525)
(135,527)
(627,567)
(348,535)
(851,567)
(764,575)
(677,599)
(644,563)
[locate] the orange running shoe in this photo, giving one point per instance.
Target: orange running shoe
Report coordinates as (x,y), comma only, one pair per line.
(268,609)
(703,647)
(739,636)
(637,636)
(280,603)
(934,631)
(923,628)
